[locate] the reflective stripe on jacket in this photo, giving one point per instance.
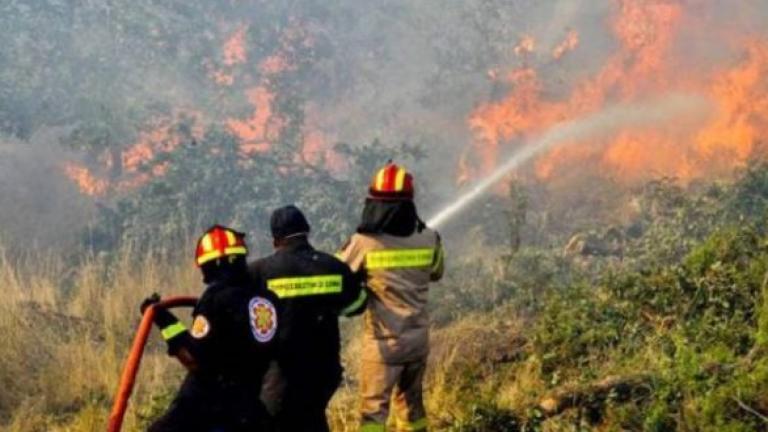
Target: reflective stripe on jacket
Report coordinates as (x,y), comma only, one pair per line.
(314,288)
(399,270)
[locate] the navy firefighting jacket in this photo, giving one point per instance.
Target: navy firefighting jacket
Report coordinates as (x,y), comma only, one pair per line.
(314,289)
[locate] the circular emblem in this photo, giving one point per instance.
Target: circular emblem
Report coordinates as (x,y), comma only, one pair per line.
(263,319)
(200,327)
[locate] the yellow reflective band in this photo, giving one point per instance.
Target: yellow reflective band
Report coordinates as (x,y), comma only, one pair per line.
(305,286)
(173,330)
(380,179)
(215,254)
(399,258)
(356,304)
(414,426)
(236,250)
(230,237)
(372,427)
(400,180)
(207,242)
(210,256)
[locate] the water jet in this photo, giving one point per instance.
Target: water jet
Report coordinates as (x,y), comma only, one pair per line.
(606,121)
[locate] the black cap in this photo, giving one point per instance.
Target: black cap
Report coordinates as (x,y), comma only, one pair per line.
(288,221)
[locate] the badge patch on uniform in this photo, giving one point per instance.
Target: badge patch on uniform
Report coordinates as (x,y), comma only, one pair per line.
(200,327)
(263,319)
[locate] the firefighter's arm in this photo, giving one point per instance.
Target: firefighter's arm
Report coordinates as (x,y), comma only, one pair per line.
(352,254)
(354,257)
(354,296)
(438,263)
(171,329)
(174,333)
(195,348)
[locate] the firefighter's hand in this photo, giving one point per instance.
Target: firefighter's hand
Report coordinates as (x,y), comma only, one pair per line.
(149,301)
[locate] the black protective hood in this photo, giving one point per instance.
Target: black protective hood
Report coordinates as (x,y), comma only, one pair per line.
(397,218)
(225,272)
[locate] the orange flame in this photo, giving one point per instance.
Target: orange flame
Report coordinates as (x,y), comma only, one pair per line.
(85,180)
(161,137)
(257,132)
(526,45)
(235,47)
(234,52)
(274,65)
(570,43)
(641,66)
(318,143)
(261,128)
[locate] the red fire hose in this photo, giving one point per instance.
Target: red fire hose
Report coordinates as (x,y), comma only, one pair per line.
(131,368)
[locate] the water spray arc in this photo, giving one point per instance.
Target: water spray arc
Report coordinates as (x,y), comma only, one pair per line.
(604,122)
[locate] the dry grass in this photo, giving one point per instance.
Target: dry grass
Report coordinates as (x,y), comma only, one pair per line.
(65,334)
(471,362)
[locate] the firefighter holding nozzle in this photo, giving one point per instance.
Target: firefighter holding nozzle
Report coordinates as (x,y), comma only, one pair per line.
(229,347)
(400,256)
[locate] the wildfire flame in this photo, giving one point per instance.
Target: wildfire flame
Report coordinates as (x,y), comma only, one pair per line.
(87,182)
(526,45)
(569,44)
(261,128)
(256,132)
(234,52)
(160,137)
(235,48)
(259,131)
(526,101)
(641,66)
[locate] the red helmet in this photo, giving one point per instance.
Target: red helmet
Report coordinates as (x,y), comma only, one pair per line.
(392,182)
(219,242)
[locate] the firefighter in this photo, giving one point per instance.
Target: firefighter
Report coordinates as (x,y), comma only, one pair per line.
(313,288)
(228,348)
(400,257)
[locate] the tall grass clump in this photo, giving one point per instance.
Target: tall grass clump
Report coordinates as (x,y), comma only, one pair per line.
(66,330)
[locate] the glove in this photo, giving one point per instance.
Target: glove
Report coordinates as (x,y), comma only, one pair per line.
(149,301)
(163,317)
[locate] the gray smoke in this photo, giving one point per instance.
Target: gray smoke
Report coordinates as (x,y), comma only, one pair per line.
(39,207)
(400,70)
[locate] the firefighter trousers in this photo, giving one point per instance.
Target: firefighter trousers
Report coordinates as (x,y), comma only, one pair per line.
(191,417)
(199,408)
(401,384)
(304,407)
(298,400)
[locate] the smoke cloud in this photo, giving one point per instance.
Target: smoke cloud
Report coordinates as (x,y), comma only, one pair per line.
(39,207)
(400,71)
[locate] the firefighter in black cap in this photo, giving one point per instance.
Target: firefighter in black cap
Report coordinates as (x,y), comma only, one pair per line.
(313,288)
(229,347)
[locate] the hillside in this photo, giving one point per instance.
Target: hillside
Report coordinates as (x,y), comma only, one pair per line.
(664,330)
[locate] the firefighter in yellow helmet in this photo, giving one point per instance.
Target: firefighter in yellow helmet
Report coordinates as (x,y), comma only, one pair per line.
(228,348)
(401,256)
